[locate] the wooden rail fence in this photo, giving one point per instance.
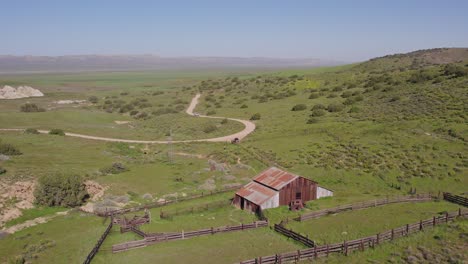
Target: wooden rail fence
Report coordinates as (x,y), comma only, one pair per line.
(163,237)
(163,203)
(291,234)
(357,244)
(456,199)
(366,204)
(95,250)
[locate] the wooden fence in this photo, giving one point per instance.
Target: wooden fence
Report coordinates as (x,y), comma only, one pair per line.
(95,250)
(163,237)
(165,202)
(357,244)
(456,199)
(366,204)
(291,234)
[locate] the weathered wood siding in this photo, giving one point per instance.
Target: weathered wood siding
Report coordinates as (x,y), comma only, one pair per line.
(306,187)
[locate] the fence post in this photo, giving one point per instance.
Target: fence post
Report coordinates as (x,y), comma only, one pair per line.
(392,233)
(183,234)
(212,230)
(298,254)
(242,226)
(362,245)
(420,225)
(315,251)
(378,238)
(459,211)
(345,248)
(433,221)
(407,229)
(446,217)
(260,260)
(327,250)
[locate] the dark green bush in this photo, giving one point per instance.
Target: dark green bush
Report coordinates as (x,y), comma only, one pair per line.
(299,107)
(335,107)
(211,112)
(2,170)
(244,106)
(255,116)
(8,149)
(56,131)
(163,111)
(31,131)
(93,99)
(317,112)
(312,121)
(30,108)
(314,95)
(318,106)
(61,190)
(224,121)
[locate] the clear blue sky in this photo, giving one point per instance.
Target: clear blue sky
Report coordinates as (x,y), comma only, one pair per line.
(341,30)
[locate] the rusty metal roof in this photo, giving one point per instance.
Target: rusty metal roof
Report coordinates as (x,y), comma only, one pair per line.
(275,178)
(256,193)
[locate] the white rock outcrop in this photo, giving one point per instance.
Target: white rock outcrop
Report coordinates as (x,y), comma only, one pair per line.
(8,92)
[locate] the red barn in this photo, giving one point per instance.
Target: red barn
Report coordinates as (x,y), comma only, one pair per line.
(274,187)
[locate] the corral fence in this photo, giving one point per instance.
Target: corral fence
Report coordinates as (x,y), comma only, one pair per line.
(291,234)
(357,244)
(194,209)
(456,199)
(163,237)
(366,204)
(95,250)
(165,202)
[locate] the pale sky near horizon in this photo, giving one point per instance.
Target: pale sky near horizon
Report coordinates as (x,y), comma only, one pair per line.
(332,30)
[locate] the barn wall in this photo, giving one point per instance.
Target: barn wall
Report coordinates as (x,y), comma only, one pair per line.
(236,201)
(306,187)
(273,202)
(322,192)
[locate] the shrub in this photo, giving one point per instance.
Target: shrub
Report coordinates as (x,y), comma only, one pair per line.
(212,112)
(142,115)
(8,149)
(317,112)
(314,96)
(224,121)
(2,170)
(30,108)
(61,190)
(115,168)
(299,107)
(318,106)
(163,111)
(244,106)
(31,131)
(255,116)
(133,112)
(93,99)
(312,121)
(354,109)
(209,128)
(335,107)
(56,131)
(455,71)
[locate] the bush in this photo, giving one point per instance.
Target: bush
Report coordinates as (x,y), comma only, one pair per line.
(61,190)
(312,121)
(2,170)
(209,128)
(335,108)
(224,121)
(255,116)
(31,108)
(93,99)
(314,95)
(244,106)
(318,106)
(8,149)
(115,168)
(163,111)
(31,131)
(318,112)
(354,109)
(299,107)
(56,131)
(133,112)
(212,112)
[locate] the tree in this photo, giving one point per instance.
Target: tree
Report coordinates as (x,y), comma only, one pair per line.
(61,190)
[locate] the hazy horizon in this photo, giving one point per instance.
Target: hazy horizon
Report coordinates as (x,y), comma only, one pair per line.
(331,30)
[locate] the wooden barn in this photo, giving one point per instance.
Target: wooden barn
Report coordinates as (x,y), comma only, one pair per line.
(275,187)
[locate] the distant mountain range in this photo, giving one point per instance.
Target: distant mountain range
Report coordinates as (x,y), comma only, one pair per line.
(73,63)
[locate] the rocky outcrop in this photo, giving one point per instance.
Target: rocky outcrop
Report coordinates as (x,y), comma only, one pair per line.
(8,92)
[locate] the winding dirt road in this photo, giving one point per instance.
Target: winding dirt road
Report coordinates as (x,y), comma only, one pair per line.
(249,128)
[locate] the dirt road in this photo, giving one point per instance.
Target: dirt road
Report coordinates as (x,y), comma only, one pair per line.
(249,128)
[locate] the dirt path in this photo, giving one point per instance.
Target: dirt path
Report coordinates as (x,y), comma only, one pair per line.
(249,128)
